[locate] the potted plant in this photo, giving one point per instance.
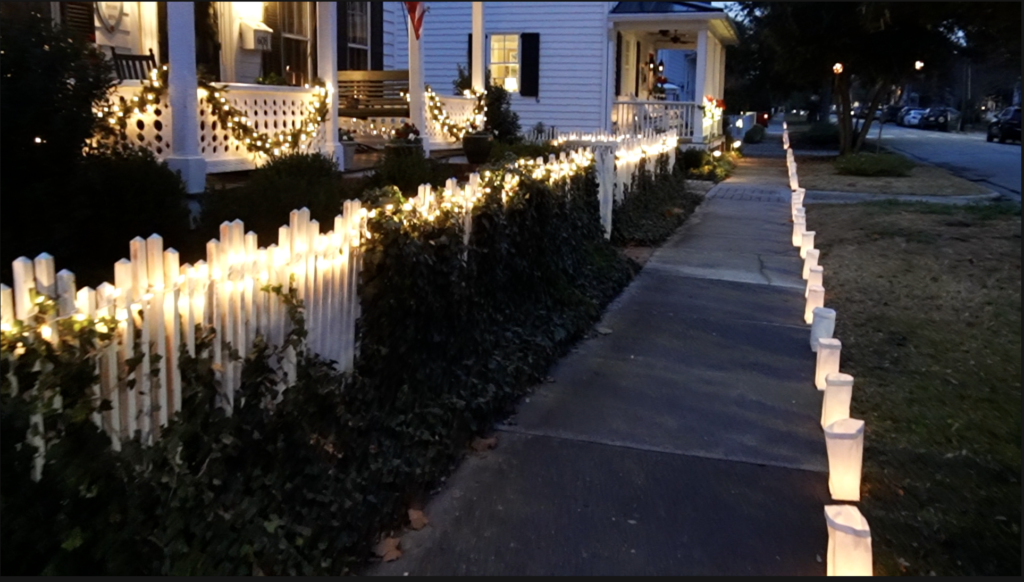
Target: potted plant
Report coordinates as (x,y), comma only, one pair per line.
(405,141)
(348,146)
(477,144)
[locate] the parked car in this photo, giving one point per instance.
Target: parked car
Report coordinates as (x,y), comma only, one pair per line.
(912,117)
(1006,126)
(941,118)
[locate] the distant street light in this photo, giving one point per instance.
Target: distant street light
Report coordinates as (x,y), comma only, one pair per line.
(837,68)
(918,65)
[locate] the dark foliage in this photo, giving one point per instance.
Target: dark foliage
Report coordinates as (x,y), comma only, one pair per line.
(272,191)
(867,164)
(654,206)
(754,134)
(406,166)
(821,135)
(500,119)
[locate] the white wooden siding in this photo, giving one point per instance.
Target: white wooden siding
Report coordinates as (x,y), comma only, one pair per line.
(573,46)
(394,30)
(679,70)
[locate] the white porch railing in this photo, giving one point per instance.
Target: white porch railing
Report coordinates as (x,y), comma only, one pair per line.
(638,117)
(272,109)
(457,108)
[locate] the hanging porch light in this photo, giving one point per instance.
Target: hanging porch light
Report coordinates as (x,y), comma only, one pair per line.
(823,325)
(835,405)
(849,542)
(844,440)
(829,350)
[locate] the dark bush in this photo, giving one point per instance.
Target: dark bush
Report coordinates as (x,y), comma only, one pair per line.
(50,85)
(867,164)
(500,119)
(272,191)
(821,135)
(653,207)
(406,166)
(693,158)
(522,150)
(95,208)
(754,134)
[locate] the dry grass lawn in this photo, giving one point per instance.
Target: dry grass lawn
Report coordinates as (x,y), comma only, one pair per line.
(929,312)
(818,173)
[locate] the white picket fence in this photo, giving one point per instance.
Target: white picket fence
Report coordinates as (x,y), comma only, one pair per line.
(163,306)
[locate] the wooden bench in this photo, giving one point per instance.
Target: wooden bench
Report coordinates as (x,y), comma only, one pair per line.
(365,94)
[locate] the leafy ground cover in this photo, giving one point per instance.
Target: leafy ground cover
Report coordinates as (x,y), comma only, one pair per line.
(929,313)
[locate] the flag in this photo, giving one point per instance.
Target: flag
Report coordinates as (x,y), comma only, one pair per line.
(416,11)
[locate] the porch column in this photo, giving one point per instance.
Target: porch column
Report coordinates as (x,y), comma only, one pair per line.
(699,90)
(479,66)
(184,98)
(721,83)
(417,107)
(327,69)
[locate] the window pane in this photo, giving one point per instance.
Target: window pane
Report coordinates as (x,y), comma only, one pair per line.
(293,18)
(296,61)
(358,59)
(359,23)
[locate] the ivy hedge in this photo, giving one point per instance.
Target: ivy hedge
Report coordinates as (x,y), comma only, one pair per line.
(451,334)
(654,205)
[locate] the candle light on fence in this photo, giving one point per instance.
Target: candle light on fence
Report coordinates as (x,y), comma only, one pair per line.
(806,243)
(815,276)
(829,350)
(849,542)
(815,298)
(810,260)
(822,326)
(844,440)
(835,405)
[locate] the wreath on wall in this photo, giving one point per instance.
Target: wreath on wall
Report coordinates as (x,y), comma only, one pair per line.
(241,127)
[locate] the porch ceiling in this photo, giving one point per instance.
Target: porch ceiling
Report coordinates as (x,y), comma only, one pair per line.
(686,25)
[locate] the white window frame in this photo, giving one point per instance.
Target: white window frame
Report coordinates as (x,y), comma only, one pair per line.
(518,62)
(369,34)
(305,38)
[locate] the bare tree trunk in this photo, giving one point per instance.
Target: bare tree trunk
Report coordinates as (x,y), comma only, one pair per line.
(876,97)
(845,119)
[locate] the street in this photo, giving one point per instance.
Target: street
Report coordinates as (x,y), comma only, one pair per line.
(967,155)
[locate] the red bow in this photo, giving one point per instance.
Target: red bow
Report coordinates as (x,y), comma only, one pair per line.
(416,11)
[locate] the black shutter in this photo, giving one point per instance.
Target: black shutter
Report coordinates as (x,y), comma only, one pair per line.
(529,64)
(469,53)
(342,36)
(636,77)
(618,64)
(272,60)
(161,31)
(376,36)
(77,18)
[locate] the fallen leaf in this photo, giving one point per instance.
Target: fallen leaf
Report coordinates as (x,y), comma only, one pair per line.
(484,444)
(603,330)
(417,520)
(388,550)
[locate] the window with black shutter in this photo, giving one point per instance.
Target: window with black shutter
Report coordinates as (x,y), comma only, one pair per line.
(618,64)
(77,18)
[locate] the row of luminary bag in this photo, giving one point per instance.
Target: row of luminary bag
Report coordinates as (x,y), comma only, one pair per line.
(849,536)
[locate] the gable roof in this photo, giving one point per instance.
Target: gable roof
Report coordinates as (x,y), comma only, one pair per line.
(663,7)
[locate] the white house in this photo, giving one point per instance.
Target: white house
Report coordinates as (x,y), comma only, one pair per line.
(577,66)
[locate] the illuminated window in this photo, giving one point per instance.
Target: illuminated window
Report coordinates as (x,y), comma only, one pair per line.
(505,61)
(358,35)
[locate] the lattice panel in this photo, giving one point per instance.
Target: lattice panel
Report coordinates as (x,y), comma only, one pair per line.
(459,109)
(151,129)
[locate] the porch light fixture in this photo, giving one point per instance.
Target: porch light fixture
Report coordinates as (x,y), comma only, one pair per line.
(661,67)
(815,298)
(829,350)
(823,326)
(849,542)
(837,68)
(844,441)
(836,403)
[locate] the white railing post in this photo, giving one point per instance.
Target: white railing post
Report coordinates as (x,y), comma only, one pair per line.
(478,76)
(184,98)
(327,65)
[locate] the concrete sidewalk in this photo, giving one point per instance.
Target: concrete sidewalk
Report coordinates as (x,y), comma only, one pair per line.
(686,441)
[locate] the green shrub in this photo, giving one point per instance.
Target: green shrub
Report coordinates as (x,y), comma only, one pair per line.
(501,150)
(867,164)
(754,134)
(310,180)
(94,208)
(407,168)
(693,158)
(820,135)
(500,119)
(653,206)
(50,85)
